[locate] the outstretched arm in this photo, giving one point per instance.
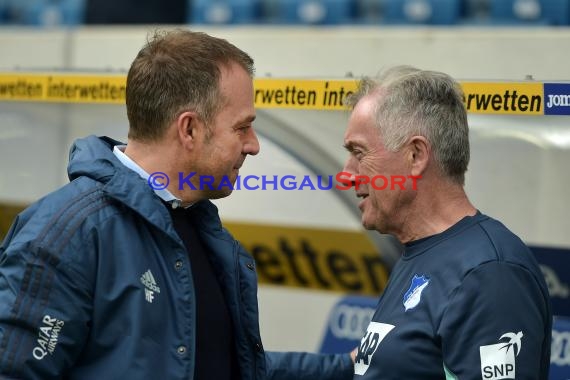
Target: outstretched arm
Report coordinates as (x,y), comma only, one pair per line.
(309,366)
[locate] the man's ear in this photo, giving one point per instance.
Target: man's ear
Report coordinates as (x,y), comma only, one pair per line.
(187,125)
(419,155)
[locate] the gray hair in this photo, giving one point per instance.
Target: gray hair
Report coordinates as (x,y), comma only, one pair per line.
(412,102)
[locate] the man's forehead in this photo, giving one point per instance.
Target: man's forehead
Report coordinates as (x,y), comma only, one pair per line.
(366,104)
(362,113)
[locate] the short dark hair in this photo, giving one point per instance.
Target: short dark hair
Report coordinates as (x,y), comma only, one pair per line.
(175,71)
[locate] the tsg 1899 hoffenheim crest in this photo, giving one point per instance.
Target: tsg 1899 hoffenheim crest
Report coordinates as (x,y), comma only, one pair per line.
(414,294)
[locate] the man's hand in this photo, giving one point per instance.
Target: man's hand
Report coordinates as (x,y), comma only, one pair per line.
(353,354)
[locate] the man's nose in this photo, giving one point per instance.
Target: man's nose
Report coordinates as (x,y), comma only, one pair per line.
(351,169)
(252,144)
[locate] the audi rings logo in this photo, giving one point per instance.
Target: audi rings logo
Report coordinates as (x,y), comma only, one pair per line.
(560,349)
(350,321)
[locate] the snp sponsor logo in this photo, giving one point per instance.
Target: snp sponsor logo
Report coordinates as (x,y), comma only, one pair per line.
(556,287)
(375,333)
(560,348)
(48,336)
(557,98)
(150,286)
(350,321)
(498,361)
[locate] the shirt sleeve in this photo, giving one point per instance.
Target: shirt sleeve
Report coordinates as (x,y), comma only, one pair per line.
(44,311)
(308,366)
(497,325)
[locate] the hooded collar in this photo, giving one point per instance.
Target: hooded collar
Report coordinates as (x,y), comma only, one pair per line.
(93,157)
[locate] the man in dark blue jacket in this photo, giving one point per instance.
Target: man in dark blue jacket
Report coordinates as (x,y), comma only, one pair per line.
(127,272)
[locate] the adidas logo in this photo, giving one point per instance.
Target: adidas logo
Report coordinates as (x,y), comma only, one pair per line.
(150,286)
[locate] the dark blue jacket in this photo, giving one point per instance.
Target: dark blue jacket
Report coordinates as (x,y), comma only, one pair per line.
(96,284)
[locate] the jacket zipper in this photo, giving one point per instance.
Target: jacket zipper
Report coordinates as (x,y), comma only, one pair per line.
(238,287)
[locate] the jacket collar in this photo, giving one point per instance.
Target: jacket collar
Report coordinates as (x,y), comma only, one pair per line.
(93,157)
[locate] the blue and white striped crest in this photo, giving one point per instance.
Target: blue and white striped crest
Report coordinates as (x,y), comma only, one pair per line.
(414,294)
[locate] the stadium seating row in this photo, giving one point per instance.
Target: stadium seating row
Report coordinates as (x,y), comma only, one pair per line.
(309,12)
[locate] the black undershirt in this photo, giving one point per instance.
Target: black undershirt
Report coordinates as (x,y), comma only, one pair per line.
(215,349)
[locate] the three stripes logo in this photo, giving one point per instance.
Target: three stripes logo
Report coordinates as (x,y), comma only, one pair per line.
(150,286)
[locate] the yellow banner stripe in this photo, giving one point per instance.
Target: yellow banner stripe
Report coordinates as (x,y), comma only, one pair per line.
(334,260)
(63,88)
(302,94)
(504,98)
(318,94)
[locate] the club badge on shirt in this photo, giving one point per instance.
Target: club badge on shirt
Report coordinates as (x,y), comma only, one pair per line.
(414,294)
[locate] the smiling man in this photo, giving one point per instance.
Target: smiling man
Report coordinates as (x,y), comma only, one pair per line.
(107,278)
(467,299)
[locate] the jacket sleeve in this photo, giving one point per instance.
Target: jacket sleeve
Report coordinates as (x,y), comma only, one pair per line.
(44,309)
(308,366)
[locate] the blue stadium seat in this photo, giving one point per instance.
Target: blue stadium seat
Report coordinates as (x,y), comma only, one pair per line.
(222,11)
(557,12)
(370,11)
(517,12)
(51,12)
(14,10)
(431,12)
(73,11)
(476,11)
(3,11)
(306,11)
